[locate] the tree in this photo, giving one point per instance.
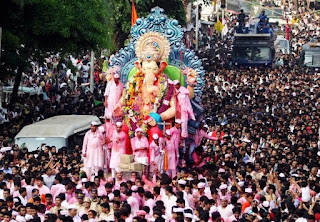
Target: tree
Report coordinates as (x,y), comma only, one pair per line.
(33,28)
(121,13)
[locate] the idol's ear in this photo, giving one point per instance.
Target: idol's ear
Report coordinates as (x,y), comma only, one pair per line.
(162,67)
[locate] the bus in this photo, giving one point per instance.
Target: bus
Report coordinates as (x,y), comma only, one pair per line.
(252,50)
(311,54)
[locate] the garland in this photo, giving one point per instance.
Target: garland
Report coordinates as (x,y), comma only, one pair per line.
(132,104)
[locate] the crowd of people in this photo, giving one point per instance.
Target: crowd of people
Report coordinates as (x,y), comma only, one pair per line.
(256,155)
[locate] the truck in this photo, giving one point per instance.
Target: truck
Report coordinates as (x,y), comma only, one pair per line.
(253,49)
(310,56)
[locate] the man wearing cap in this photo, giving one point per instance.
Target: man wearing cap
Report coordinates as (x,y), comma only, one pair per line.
(224,192)
(202,191)
(173,154)
(156,154)
(141,214)
(139,145)
(79,204)
(184,109)
(112,94)
(181,188)
(92,150)
(118,147)
(225,209)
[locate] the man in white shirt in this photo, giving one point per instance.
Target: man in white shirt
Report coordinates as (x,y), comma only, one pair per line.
(181,187)
(169,201)
(29,187)
(22,214)
(23,196)
(225,209)
(48,178)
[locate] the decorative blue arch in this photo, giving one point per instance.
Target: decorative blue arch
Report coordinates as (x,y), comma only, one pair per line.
(180,56)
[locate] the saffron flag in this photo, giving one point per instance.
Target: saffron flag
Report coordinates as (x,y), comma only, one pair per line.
(134,15)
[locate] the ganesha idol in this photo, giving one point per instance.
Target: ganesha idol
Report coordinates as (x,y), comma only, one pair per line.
(150,91)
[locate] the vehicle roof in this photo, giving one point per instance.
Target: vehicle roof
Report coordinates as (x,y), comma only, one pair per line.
(252,35)
(306,47)
(58,126)
(25,89)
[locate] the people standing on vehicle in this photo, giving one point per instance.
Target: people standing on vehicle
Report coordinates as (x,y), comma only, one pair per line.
(112,94)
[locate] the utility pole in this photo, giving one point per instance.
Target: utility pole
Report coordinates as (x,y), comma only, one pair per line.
(222,6)
(91,71)
(197,26)
(0,41)
(1,90)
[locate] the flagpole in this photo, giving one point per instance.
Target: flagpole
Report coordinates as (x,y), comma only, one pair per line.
(222,18)
(197,26)
(91,72)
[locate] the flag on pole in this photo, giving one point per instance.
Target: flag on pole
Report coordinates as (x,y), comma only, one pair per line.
(134,15)
(287,30)
(218,26)
(97,102)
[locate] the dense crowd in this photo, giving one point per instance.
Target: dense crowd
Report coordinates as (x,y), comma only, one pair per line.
(264,165)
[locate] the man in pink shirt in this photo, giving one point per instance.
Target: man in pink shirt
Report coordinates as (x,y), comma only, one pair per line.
(57,188)
(173,154)
(92,150)
(200,134)
(132,201)
(43,189)
(139,145)
(149,201)
(100,189)
(176,133)
(119,179)
(112,94)
(118,147)
(184,109)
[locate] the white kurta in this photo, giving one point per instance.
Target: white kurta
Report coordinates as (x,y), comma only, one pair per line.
(93,148)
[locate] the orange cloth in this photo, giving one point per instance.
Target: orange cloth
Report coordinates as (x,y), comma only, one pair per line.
(125,129)
(165,164)
(245,205)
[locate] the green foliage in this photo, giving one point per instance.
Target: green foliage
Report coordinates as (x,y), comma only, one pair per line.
(33,29)
(43,26)
(69,25)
